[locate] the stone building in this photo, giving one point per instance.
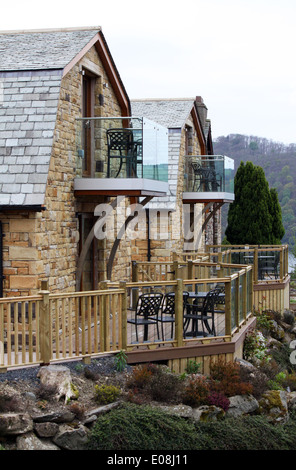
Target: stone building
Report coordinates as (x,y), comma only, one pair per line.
(60,92)
(189,134)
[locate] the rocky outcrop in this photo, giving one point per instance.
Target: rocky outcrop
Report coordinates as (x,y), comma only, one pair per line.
(62,429)
(241,405)
(58,377)
(274,405)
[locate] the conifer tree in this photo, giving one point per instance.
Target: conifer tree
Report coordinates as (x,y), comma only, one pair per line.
(254,217)
(278,230)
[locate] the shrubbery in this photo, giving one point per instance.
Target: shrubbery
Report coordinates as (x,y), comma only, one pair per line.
(134,427)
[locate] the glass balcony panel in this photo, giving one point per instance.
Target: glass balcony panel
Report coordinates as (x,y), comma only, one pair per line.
(121,148)
(214,173)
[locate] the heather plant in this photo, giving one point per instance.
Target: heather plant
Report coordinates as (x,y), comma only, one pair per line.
(141,376)
(154,381)
(196,391)
(218,399)
(225,378)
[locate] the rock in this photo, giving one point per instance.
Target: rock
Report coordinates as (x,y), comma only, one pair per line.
(291,399)
(46,429)
(31,442)
(207,413)
(63,416)
(184,411)
(70,438)
(59,377)
(244,363)
(30,396)
(274,406)
(277,332)
(102,409)
(15,423)
(8,393)
(241,405)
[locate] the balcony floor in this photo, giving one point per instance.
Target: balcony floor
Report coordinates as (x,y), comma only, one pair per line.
(204,197)
(120,186)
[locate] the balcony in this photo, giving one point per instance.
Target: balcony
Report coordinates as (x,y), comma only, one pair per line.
(121,156)
(208,178)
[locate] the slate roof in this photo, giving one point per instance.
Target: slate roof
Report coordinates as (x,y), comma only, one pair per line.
(31,67)
(171,113)
(51,49)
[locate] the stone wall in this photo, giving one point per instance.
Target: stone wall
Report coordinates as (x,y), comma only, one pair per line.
(45,245)
(167,212)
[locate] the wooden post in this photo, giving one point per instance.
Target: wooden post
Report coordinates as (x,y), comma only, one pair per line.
(255,265)
(45,325)
(190,270)
(237,301)
(135,278)
(281,264)
(124,316)
(244,294)
(228,308)
(175,269)
(179,312)
(104,339)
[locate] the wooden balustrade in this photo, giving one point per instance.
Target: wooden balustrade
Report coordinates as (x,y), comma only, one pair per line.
(62,326)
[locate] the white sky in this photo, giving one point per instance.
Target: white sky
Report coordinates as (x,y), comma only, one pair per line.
(239,55)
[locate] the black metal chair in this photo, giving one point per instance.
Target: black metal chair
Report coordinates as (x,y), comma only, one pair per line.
(121,146)
(204,313)
(147,312)
(167,311)
(205,178)
(219,299)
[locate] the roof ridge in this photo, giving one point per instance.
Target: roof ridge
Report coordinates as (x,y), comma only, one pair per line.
(52,30)
(163,99)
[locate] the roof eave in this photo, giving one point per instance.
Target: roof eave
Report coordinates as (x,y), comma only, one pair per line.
(101,46)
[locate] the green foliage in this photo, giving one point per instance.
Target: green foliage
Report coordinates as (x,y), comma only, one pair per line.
(279,165)
(134,427)
(255,347)
(105,394)
(278,230)
(120,361)
(264,321)
(255,215)
(247,433)
(192,367)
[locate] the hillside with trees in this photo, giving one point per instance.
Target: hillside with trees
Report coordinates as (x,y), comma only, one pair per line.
(278,162)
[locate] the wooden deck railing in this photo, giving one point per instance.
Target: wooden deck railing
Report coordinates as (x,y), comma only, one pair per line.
(63,326)
(49,327)
(270,262)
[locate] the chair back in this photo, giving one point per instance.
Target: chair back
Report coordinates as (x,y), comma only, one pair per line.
(209,302)
(119,139)
(148,305)
(218,298)
(168,304)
